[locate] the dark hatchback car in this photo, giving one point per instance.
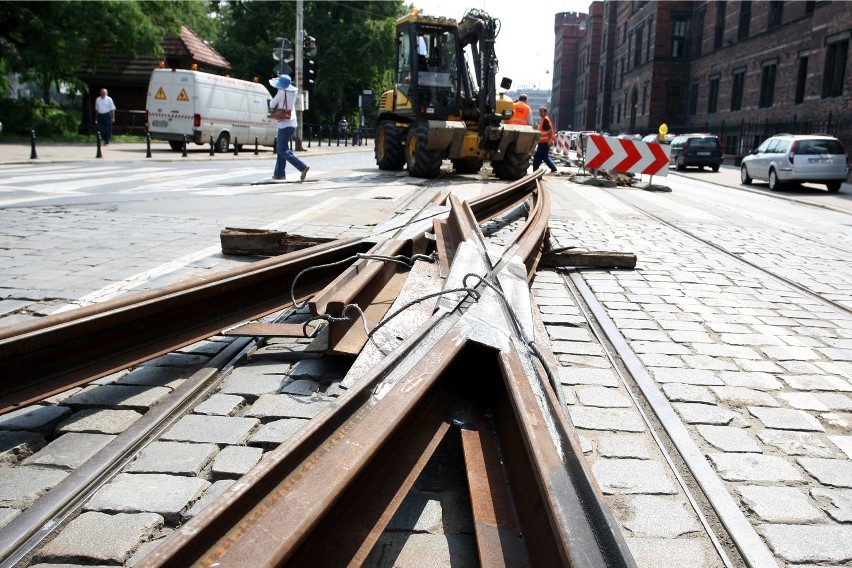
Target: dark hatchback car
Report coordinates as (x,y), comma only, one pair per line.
(696,150)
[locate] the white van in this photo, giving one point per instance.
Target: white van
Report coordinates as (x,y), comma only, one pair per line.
(200,106)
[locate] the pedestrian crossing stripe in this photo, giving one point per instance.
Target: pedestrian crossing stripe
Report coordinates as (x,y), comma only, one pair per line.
(161,95)
(183,96)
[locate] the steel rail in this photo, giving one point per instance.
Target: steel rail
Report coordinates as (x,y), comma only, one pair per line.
(44,357)
(49,355)
(324,497)
(26,532)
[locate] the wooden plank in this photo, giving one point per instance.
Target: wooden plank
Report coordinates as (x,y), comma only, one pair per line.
(558,258)
(262,242)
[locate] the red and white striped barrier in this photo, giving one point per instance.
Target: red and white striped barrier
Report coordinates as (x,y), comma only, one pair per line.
(561,146)
(622,155)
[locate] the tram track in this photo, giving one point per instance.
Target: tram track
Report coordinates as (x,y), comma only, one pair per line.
(507,423)
(840,307)
(485,430)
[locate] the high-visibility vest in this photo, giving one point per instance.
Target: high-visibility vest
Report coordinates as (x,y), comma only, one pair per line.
(546,135)
(521,112)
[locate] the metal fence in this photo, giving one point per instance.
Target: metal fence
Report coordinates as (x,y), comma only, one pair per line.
(740,138)
(329,134)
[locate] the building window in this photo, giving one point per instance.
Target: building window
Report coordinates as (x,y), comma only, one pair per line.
(809,7)
(650,35)
(737,87)
(638,49)
(776,9)
(713,95)
(767,83)
(673,101)
(719,28)
(629,49)
(745,19)
(644,98)
(801,80)
(693,99)
(698,37)
(678,37)
(834,74)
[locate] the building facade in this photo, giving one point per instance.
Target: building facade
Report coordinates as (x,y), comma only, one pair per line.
(742,69)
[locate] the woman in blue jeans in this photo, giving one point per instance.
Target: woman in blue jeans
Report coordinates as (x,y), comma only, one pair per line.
(285,98)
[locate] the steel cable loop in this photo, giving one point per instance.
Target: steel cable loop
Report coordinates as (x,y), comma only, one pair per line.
(529,342)
(407,261)
(470,292)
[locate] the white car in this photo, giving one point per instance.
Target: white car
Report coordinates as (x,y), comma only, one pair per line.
(795,158)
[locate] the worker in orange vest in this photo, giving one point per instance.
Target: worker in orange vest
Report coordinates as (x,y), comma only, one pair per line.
(545,141)
(522,113)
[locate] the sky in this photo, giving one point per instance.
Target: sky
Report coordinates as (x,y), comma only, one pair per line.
(525,43)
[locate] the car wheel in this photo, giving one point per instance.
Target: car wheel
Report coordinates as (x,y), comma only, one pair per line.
(680,165)
(715,167)
(223,142)
(773,180)
(833,186)
(745,179)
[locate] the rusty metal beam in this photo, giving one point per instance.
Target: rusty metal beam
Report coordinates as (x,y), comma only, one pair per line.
(54,353)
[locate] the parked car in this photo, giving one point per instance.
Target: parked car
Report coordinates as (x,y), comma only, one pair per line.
(636,137)
(667,139)
(696,150)
(794,158)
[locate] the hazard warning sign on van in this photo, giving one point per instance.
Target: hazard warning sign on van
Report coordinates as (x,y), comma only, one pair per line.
(161,95)
(183,96)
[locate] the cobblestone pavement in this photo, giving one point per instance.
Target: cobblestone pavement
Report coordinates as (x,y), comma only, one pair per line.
(756,369)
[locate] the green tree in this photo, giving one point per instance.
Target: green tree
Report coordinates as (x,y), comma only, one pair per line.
(355,47)
(46,42)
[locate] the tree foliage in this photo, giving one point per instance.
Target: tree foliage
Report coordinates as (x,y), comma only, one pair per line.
(355,47)
(46,42)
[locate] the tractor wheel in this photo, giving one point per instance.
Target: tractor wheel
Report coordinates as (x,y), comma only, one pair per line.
(390,153)
(513,166)
(467,165)
(422,162)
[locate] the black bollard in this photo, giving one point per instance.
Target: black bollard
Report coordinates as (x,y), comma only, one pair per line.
(212,148)
(99,155)
(255,145)
(236,146)
(33,154)
(147,144)
(184,146)
(309,136)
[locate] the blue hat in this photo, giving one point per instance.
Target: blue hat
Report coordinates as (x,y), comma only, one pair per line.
(283,82)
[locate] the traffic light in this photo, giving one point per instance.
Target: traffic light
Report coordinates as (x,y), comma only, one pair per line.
(309,64)
(309,68)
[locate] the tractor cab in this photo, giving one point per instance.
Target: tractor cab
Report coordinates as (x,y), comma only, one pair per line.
(427,72)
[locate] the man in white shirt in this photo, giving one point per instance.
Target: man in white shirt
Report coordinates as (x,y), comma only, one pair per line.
(105,113)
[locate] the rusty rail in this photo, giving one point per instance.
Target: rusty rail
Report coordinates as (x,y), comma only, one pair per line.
(324,497)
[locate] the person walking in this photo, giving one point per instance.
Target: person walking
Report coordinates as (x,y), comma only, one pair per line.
(522,113)
(545,141)
(105,115)
(285,99)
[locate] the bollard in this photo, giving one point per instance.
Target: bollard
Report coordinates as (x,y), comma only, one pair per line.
(212,148)
(310,129)
(236,146)
(184,146)
(33,154)
(255,145)
(147,144)
(99,155)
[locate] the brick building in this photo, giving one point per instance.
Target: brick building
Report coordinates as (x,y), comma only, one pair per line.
(741,69)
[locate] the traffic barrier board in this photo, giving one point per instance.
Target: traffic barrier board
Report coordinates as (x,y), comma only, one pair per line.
(627,156)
